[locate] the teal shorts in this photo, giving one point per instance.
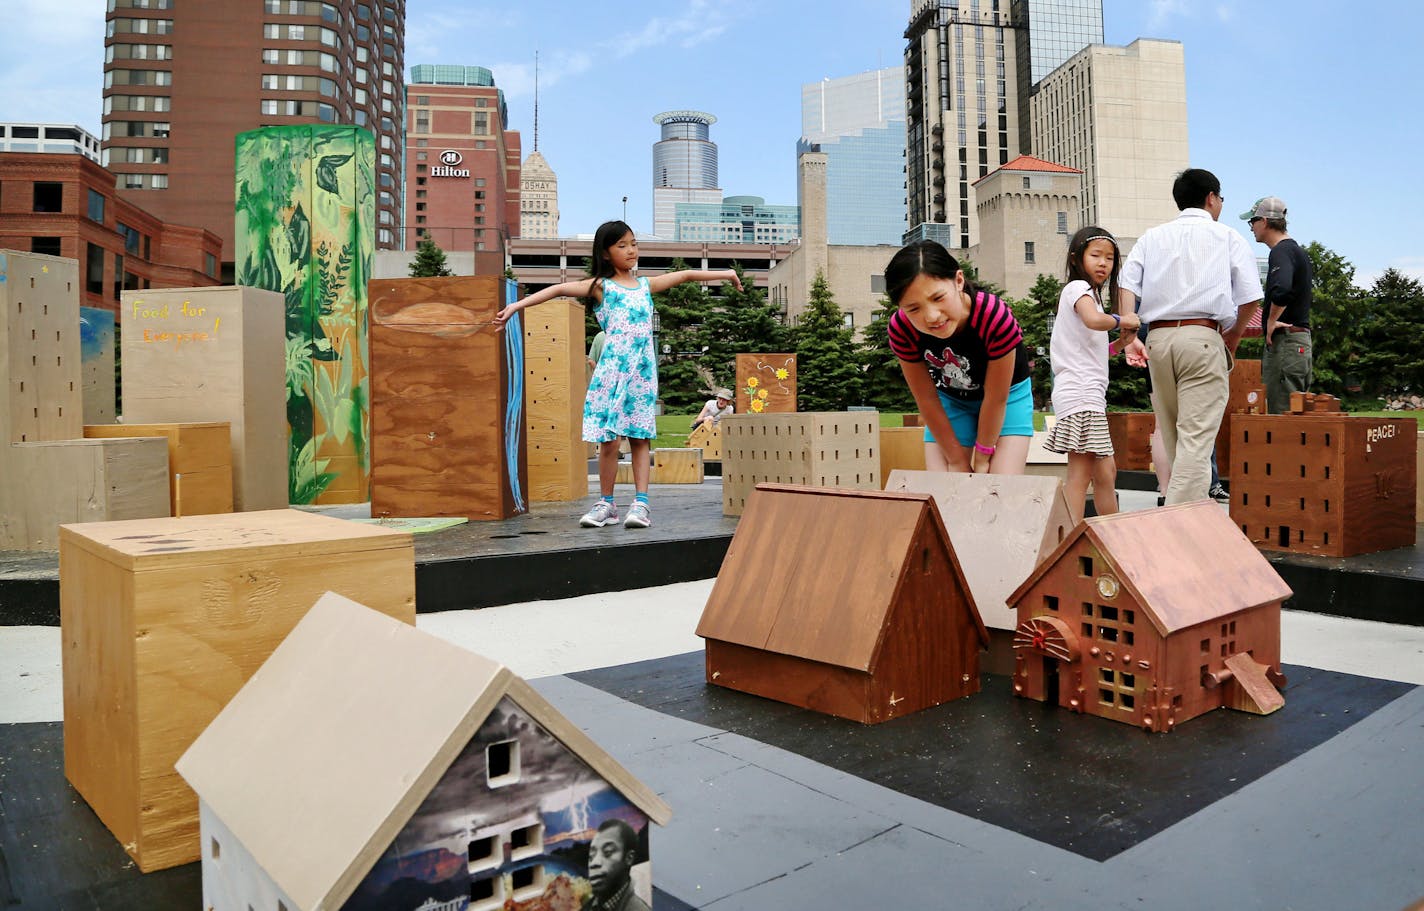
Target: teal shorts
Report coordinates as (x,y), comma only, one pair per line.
(964,415)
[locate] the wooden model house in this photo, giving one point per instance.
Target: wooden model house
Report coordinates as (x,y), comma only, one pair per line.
(368,765)
(1151,618)
(1324,483)
(846,602)
(1002,527)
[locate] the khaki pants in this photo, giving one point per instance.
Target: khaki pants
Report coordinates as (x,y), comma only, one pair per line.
(1189,367)
(1285,368)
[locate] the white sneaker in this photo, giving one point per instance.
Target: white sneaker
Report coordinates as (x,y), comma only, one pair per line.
(637,516)
(603,513)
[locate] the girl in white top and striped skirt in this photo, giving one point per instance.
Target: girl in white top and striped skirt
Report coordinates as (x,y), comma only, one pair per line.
(1079,351)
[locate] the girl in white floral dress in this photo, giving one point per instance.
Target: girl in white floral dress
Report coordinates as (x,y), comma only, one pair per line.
(623,393)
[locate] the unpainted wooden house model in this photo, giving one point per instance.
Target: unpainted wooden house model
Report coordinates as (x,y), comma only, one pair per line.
(1001,526)
(1152,618)
(847,602)
(368,765)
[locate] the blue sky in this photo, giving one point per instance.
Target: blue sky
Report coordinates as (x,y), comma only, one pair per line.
(1303,99)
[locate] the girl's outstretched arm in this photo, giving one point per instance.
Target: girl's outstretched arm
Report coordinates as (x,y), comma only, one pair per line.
(584,287)
(666,281)
(1093,318)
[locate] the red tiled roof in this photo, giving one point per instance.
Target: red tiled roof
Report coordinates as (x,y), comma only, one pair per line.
(1029,163)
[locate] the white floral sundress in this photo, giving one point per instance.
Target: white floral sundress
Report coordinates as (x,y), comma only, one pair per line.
(623,392)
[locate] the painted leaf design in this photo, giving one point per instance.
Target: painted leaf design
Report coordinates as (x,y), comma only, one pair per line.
(299,237)
(326,176)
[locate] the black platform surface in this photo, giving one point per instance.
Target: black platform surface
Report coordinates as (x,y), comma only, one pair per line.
(545,555)
(1081,783)
(1319,807)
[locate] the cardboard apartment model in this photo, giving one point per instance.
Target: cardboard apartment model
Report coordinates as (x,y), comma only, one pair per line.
(1152,618)
(846,602)
(368,765)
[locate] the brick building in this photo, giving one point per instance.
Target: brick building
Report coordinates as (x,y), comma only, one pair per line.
(68,205)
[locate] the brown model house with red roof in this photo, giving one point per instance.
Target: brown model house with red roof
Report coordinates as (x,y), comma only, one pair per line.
(1151,618)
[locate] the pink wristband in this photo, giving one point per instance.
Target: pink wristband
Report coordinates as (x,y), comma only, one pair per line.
(984,450)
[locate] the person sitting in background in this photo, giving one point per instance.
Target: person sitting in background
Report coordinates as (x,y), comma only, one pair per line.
(715,409)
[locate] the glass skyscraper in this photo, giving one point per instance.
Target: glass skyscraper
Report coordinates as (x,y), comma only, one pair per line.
(1057,30)
(969,68)
(684,166)
(858,122)
(737,220)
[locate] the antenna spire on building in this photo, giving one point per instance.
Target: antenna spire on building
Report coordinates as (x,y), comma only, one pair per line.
(536,101)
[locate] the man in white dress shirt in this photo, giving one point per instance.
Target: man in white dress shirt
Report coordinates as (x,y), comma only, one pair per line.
(1199,285)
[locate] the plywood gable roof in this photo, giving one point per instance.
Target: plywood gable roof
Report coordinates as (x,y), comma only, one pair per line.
(1002,526)
(814,572)
(1183,564)
(322,757)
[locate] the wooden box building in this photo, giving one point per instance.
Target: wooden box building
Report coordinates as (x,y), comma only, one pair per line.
(199,462)
(1246,394)
(368,766)
(163,620)
(1324,483)
(50,474)
(193,355)
(708,438)
(1131,433)
(846,602)
(447,399)
(901,449)
(555,385)
(815,448)
(1001,526)
(766,384)
(1152,618)
(667,466)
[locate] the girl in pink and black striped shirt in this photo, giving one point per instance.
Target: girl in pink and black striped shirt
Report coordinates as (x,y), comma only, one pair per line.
(963,356)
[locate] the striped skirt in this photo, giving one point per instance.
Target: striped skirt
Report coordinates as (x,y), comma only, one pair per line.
(1082,431)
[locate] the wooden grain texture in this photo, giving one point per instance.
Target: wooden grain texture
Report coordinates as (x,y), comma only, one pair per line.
(901,449)
(667,466)
(556,383)
(766,383)
(48,484)
(1133,639)
(1246,394)
(708,438)
(1325,483)
(819,449)
(1308,403)
(1131,433)
(199,462)
(163,620)
(865,626)
(1249,690)
(440,394)
(1001,528)
(39,348)
(1418,473)
(1043,463)
(235,373)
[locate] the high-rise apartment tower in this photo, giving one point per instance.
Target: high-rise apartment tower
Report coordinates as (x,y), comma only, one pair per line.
(183,77)
(969,66)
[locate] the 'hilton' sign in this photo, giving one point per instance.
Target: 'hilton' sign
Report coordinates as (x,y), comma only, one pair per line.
(449,166)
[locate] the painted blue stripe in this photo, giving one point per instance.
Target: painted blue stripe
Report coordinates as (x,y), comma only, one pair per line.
(514,397)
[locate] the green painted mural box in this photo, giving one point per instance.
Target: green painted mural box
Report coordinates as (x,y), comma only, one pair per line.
(305,223)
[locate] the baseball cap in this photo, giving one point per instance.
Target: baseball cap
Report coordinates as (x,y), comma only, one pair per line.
(1266,207)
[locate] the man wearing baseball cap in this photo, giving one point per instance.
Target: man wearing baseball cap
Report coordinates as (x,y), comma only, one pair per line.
(1286,363)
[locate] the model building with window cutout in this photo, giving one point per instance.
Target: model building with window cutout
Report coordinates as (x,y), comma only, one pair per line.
(368,765)
(1152,618)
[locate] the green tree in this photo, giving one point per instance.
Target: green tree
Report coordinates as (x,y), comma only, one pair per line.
(1337,306)
(681,312)
(429,260)
(1035,315)
(741,322)
(1390,358)
(828,374)
(883,381)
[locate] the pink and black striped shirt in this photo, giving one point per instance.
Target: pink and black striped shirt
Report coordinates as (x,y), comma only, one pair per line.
(959,363)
